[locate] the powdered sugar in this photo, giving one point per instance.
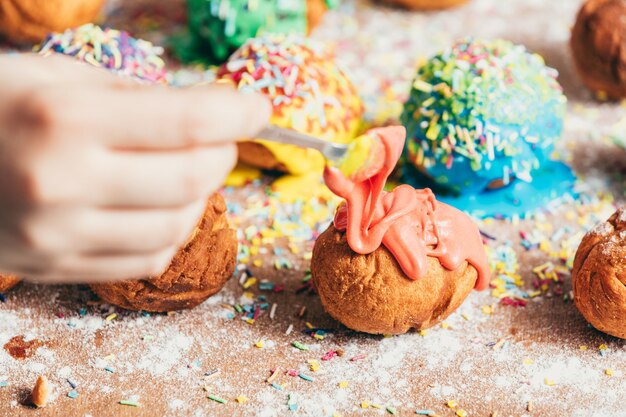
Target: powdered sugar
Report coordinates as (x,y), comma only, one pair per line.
(603,229)
(164,354)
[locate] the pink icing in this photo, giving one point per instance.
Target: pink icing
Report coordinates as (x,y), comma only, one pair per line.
(411,223)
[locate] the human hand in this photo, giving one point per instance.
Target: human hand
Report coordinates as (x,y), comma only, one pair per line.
(104,178)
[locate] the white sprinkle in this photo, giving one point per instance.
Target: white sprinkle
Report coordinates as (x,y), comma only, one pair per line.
(242,278)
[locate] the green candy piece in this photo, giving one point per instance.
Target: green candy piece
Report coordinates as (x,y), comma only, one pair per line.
(218,27)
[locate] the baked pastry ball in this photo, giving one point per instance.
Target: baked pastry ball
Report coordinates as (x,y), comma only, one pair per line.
(7,282)
(598,45)
(426,4)
(200,269)
(480,115)
(309,91)
(394,260)
(219,27)
(32,20)
(109,49)
(599,276)
(371,293)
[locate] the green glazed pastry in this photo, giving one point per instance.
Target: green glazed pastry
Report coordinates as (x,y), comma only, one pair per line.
(218,27)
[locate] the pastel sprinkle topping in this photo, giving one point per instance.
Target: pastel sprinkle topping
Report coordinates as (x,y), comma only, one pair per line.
(488,107)
(110,49)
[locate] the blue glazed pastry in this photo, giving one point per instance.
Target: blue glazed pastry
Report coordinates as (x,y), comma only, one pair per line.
(483,115)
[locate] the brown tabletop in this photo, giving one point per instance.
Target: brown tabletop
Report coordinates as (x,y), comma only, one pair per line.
(541,359)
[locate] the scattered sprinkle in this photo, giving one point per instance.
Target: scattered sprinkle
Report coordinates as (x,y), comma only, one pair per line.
(300,346)
(306,377)
(216,399)
(130,403)
(452,404)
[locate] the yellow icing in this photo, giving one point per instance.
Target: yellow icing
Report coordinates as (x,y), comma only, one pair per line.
(301,187)
(299,161)
(241,175)
(359,155)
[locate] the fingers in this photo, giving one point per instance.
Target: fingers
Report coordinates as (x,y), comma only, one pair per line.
(117,167)
(124,114)
(123,179)
(101,245)
(162,179)
(55,69)
(133,115)
(163,118)
(109,232)
(103,268)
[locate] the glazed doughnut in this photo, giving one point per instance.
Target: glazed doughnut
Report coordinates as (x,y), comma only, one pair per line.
(395,260)
(309,92)
(482,111)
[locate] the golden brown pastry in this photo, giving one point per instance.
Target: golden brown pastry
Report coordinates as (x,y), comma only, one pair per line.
(598,45)
(199,269)
(599,276)
(426,4)
(7,282)
(32,20)
(371,293)
(396,260)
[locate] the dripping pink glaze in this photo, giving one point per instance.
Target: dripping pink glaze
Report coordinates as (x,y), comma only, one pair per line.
(411,223)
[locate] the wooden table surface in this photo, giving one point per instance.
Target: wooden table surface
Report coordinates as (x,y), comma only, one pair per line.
(538,360)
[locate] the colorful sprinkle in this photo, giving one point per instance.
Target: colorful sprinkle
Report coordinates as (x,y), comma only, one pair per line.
(300,346)
(306,377)
(130,403)
(110,49)
(216,399)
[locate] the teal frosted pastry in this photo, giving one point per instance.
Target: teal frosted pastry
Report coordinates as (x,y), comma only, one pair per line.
(485,115)
(218,27)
